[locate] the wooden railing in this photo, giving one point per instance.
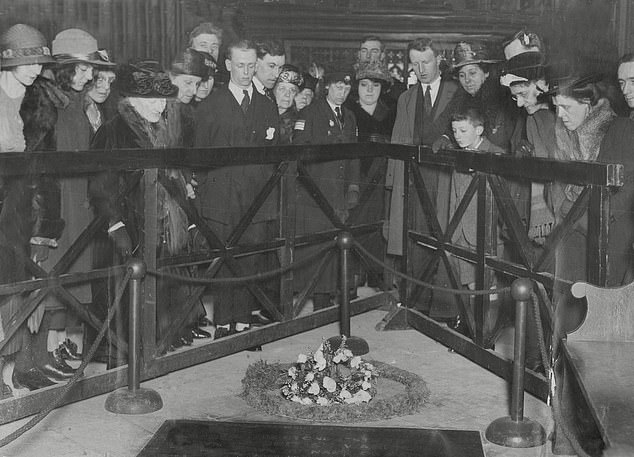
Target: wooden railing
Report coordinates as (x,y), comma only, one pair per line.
(287,174)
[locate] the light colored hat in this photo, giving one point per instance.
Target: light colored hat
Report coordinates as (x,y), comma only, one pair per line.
(23,45)
(76,46)
(290,74)
(467,53)
(523,41)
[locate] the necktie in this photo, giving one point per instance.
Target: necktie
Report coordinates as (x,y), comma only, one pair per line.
(94,116)
(339,116)
(245,101)
(418,117)
(428,104)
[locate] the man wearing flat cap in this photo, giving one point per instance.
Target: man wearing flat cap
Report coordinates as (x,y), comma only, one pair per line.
(327,121)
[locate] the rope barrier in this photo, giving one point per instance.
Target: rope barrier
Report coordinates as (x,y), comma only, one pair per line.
(428,285)
(80,371)
(244,279)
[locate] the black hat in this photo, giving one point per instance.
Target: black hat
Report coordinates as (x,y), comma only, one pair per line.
(145,79)
(310,82)
(195,63)
(467,53)
(528,66)
(339,73)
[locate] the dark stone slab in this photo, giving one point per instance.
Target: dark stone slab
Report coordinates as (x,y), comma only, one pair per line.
(258,439)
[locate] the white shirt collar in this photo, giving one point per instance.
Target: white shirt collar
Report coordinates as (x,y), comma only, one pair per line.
(333,106)
(259,86)
(435,88)
(238,93)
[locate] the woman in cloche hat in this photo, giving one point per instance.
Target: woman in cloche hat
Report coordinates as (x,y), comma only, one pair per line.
(286,88)
(23,52)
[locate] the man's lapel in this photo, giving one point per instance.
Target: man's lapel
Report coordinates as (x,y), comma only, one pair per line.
(444,95)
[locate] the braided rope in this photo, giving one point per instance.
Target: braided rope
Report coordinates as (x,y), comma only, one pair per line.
(80,371)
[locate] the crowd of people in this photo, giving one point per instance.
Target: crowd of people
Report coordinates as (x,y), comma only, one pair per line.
(72,96)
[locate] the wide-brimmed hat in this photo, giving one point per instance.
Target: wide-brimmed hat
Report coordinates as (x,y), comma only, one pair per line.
(338,72)
(23,45)
(145,79)
(290,74)
(375,70)
(78,46)
(564,78)
(195,63)
(470,53)
(524,67)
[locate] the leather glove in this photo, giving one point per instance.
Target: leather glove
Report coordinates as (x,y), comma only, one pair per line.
(39,253)
(443,142)
(197,241)
(352,198)
(122,241)
(524,149)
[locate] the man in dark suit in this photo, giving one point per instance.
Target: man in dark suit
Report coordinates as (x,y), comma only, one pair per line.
(271,58)
(326,121)
(237,115)
(423,115)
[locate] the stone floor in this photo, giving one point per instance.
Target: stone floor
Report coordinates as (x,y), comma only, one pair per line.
(463,396)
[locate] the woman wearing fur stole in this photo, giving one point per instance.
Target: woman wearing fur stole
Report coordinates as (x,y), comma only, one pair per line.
(141,123)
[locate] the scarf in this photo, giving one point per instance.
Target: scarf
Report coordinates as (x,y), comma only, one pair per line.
(583,143)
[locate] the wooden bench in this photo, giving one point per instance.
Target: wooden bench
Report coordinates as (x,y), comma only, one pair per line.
(596,379)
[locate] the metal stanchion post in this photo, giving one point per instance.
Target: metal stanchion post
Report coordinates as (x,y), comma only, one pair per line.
(134,399)
(357,345)
(517,431)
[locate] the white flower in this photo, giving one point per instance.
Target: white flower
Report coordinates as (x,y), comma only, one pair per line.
(365,385)
(364,395)
(294,387)
(302,358)
(306,401)
(329,384)
(322,401)
(355,362)
(313,389)
(338,358)
(292,372)
(368,374)
(309,376)
(320,360)
(296,399)
(347,353)
(345,394)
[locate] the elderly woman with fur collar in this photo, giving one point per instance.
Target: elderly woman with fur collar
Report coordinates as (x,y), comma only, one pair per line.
(141,123)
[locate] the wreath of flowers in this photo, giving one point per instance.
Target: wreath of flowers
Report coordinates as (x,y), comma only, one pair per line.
(263,381)
(330,376)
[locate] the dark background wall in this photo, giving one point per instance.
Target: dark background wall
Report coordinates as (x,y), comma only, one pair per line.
(588,32)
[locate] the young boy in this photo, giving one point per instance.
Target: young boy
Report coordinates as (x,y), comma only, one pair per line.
(468,127)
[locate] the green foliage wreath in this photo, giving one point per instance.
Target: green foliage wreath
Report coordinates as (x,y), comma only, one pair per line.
(262,383)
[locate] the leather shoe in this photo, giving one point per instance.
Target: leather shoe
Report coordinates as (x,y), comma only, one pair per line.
(32,379)
(56,368)
(68,350)
(222,331)
(199,333)
(260,317)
